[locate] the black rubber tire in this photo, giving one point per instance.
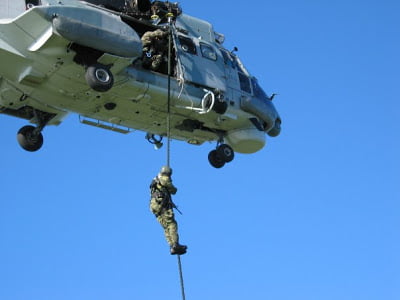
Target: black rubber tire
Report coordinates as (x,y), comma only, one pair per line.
(28,140)
(225,152)
(215,160)
(99,77)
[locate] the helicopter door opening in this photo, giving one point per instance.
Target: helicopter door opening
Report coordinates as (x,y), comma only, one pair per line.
(235,72)
(201,63)
(155,52)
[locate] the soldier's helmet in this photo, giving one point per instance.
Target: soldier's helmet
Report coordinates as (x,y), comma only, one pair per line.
(165,170)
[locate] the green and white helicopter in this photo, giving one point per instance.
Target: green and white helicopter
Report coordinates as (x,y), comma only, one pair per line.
(129,65)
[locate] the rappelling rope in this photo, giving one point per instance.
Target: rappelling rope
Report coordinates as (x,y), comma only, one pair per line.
(169,91)
(170,15)
(181,277)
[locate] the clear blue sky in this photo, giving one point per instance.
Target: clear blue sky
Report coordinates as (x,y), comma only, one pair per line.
(314,215)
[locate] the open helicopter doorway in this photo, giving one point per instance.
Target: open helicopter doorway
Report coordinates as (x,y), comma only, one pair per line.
(201,62)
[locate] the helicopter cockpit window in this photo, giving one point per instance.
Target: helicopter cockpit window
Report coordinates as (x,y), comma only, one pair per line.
(208,51)
(228,60)
(187,44)
(257,90)
(244,83)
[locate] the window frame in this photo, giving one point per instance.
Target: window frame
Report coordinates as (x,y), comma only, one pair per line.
(210,49)
(185,41)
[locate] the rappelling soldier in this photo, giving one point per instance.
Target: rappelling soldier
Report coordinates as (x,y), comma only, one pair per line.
(161,206)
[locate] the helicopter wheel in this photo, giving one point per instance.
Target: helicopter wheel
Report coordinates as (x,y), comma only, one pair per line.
(225,152)
(215,159)
(99,77)
(29,139)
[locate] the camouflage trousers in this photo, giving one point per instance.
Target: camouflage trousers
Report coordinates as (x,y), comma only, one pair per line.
(166,218)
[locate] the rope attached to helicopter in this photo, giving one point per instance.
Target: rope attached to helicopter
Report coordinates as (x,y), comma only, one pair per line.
(170,16)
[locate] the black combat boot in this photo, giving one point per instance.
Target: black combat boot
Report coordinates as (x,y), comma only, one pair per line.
(178,249)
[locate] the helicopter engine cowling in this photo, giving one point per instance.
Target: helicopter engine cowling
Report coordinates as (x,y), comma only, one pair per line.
(93,28)
(246,140)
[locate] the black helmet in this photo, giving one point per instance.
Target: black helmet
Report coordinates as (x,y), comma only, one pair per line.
(165,170)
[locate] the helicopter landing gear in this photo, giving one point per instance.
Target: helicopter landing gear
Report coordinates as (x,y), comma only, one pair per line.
(223,154)
(30,138)
(99,77)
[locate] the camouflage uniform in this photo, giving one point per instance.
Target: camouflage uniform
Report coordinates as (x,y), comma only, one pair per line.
(154,46)
(161,206)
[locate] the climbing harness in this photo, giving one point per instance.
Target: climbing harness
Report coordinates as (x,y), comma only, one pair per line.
(170,15)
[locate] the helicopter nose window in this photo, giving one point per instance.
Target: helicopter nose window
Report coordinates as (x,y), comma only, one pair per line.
(257,90)
(208,51)
(244,83)
(187,44)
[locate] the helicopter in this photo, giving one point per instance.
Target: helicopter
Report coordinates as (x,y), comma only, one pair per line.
(129,65)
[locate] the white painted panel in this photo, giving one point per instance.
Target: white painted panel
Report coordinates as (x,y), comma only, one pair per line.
(10,9)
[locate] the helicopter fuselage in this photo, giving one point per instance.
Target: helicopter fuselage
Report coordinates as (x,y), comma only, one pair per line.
(62,57)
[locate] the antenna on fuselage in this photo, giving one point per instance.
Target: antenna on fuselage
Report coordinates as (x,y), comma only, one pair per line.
(235,49)
(272,96)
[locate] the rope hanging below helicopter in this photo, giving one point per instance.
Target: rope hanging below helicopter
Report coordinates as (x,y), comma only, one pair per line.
(170,15)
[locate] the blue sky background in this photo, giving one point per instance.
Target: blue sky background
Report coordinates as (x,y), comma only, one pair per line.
(314,215)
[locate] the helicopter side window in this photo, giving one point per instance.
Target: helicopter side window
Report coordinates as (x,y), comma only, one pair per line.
(228,59)
(208,51)
(187,45)
(244,83)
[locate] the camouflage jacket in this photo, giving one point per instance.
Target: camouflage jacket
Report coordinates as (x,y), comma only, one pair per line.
(162,187)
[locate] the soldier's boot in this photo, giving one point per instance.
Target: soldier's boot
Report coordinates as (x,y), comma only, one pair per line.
(178,249)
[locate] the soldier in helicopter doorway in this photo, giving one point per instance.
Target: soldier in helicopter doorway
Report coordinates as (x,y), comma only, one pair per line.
(155,44)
